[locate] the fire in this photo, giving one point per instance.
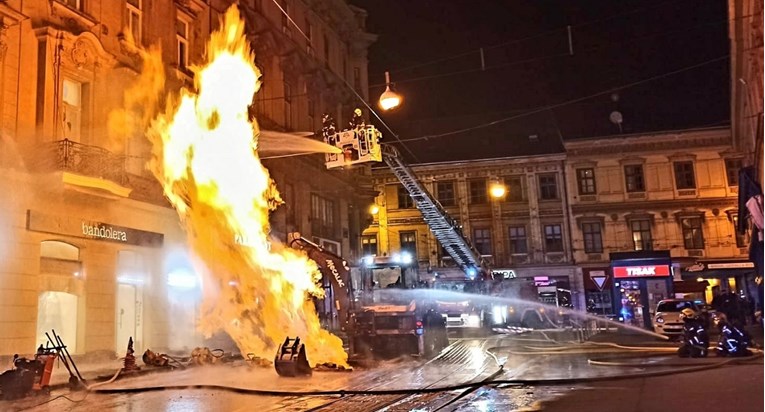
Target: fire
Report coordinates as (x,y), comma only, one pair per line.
(205,155)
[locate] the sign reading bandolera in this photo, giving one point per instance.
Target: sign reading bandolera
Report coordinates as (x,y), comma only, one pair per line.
(70,226)
(641,271)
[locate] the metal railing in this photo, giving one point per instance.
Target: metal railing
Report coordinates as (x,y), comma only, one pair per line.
(89,160)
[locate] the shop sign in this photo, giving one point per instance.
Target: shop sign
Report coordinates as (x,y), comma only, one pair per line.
(641,271)
(730,265)
(543,281)
(70,226)
(504,273)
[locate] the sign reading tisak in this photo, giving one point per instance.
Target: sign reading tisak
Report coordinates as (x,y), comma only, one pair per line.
(641,271)
(70,226)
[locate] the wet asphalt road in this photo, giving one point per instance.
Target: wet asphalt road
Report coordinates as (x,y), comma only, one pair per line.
(528,356)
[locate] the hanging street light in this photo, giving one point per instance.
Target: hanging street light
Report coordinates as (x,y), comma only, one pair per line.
(497,190)
(389,99)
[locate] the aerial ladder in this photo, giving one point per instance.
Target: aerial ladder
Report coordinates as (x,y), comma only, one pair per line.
(360,144)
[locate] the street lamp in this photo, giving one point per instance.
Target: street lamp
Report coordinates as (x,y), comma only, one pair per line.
(497,190)
(389,99)
(374,209)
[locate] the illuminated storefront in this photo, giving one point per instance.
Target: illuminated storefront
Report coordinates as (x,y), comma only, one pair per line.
(640,281)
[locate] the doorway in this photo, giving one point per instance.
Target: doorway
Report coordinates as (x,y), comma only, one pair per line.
(126,316)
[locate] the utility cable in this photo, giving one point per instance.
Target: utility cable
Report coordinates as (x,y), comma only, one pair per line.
(531,37)
(353,90)
(568,102)
(549,57)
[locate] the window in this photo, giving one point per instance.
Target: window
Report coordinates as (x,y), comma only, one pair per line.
(553,238)
(586,181)
(684,176)
(633,178)
(548,187)
(593,239)
(357,79)
(518,245)
(71,107)
(323,212)
(732,166)
(404,200)
(514,189)
(134,9)
(693,236)
(369,245)
(408,242)
(482,241)
(477,191)
(75,4)
(641,234)
(445,193)
(742,239)
(311,114)
(326,50)
(287,105)
(289,203)
(182,40)
(309,37)
(285,11)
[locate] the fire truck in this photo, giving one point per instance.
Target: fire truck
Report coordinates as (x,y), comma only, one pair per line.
(376,316)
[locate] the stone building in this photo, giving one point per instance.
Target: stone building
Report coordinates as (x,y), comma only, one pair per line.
(523,234)
(665,191)
(89,246)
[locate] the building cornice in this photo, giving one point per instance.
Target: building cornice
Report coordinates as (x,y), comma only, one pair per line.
(653,205)
(647,142)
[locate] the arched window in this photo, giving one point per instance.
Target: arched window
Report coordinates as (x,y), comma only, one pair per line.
(55,249)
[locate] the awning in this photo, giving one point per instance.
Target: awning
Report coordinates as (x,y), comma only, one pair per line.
(690,286)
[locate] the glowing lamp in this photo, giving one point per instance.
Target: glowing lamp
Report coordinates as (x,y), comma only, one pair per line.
(389,99)
(497,190)
(374,209)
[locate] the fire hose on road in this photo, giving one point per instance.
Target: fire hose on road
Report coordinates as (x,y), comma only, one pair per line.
(631,352)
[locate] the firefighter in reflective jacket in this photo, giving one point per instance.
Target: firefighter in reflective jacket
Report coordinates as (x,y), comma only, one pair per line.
(734,341)
(695,339)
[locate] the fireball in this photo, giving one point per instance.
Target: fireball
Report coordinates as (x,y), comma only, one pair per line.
(204,152)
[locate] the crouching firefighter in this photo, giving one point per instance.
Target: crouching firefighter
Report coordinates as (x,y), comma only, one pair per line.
(734,341)
(695,339)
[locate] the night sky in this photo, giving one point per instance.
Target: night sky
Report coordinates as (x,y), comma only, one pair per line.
(431,49)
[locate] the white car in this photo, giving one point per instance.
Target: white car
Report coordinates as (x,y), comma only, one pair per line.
(667,318)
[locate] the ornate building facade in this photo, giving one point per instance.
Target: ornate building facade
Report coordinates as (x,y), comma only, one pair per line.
(670,191)
(524,234)
(89,246)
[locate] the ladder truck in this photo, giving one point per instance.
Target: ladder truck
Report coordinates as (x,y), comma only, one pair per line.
(361,144)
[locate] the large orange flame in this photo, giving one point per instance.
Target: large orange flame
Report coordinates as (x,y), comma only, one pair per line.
(205,155)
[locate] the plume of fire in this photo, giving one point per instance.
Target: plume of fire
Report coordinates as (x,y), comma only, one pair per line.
(205,155)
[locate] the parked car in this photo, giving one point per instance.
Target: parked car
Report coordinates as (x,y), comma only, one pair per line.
(667,318)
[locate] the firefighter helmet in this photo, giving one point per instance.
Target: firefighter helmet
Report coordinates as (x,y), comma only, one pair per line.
(688,313)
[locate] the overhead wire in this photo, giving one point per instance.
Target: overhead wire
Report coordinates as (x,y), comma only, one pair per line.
(353,90)
(534,36)
(567,102)
(548,57)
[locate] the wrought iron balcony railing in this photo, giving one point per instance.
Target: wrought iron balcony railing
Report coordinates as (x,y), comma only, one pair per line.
(90,161)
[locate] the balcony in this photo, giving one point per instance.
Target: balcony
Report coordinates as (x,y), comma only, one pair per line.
(95,170)
(90,161)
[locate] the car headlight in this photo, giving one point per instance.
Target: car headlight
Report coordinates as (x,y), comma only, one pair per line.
(659,320)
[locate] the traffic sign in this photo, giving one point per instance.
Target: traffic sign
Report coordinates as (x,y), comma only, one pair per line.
(599,277)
